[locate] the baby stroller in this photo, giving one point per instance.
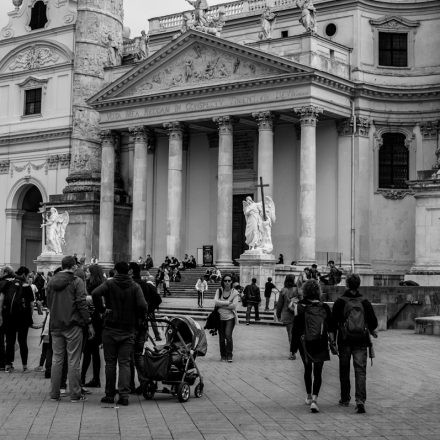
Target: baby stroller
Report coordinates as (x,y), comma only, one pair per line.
(174,364)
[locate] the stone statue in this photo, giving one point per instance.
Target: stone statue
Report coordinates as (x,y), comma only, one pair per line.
(201,8)
(55,225)
(259,223)
(267,22)
(113,52)
(308,14)
(142,50)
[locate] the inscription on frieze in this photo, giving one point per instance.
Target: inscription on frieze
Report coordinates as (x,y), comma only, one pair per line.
(200,64)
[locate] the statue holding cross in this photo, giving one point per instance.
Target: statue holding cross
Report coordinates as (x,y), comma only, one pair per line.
(260,217)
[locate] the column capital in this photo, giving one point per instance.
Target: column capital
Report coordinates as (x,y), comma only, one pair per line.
(224,124)
(265,120)
(175,129)
(308,114)
(345,126)
(109,138)
(429,129)
(138,134)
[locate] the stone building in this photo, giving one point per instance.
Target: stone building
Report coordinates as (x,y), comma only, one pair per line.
(340,120)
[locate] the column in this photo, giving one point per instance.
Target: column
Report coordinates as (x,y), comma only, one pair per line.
(307,184)
(107,206)
(150,194)
(139,213)
(265,150)
(174,212)
(224,190)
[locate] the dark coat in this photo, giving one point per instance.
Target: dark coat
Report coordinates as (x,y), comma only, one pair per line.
(252,294)
(317,350)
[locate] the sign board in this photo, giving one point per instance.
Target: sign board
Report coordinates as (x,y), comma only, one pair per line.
(208,255)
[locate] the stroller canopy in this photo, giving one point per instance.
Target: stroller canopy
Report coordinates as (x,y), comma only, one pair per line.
(192,333)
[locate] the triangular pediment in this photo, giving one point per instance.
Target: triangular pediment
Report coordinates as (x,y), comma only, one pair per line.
(193,61)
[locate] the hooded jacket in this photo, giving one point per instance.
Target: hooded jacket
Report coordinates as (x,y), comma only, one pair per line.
(66,299)
(124,303)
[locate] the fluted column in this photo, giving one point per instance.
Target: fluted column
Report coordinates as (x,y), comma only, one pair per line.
(139,213)
(265,150)
(307,184)
(107,206)
(174,212)
(224,188)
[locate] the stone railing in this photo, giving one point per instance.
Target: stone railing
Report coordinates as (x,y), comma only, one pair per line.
(232,10)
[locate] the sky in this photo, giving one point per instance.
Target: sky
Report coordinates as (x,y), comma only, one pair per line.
(137,12)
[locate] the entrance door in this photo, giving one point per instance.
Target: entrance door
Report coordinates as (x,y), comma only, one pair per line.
(238,226)
(32,250)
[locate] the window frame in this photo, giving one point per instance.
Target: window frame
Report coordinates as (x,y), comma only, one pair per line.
(32,83)
(392,51)
(26,103)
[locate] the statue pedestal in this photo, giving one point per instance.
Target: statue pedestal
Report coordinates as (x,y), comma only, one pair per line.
(48,262)
(255,264)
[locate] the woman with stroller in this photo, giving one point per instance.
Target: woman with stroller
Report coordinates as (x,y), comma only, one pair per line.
(226,299)
(311,332)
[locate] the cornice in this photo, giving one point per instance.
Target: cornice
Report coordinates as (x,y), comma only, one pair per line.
(24,138)
(396,18)
(33,36)
(397,94)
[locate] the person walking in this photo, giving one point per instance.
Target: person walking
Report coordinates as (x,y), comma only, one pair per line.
(125,306)
(226,299)
(268,287)
(252,299)
(8,275)
(286,306)
(201,288)
(312,330)
(18,308)
(66,299)
(91,349)
(355,320)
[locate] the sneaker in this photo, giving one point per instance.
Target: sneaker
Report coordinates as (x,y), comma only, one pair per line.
(123,401)
(25,369)
(9,368)
(85,391)
(344,402)
(314,407)
(292,356)
(360,408)
(223,359)
(229,359)
(108,400)
(79,399)
(39,368)
(309,400)
(63,392)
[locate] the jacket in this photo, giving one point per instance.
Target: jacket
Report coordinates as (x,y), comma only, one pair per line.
(317,350)
(66,299)
(124,301)
(252,294)
(339,318)
(283,313)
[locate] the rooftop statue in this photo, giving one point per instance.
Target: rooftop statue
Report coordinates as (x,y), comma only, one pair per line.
(200,21)
(267,22)
(308,14)
(55,225)
(259,221)
(201,8)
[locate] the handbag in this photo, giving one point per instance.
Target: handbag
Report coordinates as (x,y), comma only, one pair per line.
(213,320)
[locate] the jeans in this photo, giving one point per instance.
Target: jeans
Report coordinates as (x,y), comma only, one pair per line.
(12,331)
(49,357)
(138,357)
(360,372)
(312,368)
(69,341)
(248,311)
(91,353)
(225,337)
(118,348)
(200,298)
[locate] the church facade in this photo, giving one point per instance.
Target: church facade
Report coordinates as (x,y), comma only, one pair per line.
(154,151)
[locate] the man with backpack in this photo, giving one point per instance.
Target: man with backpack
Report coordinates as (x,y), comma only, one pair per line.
(252,298)
(312,331)
(333,278)
(355,320)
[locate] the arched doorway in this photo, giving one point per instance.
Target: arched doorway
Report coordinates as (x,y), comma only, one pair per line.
(30,226)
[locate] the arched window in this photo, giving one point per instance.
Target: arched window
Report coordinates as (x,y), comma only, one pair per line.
(393,161)
(38,15)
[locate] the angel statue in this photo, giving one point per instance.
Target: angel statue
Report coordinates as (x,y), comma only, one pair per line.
(55,225)
(308,14)
(259,220)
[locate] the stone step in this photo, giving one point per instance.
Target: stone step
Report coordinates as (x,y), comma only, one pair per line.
(428,325)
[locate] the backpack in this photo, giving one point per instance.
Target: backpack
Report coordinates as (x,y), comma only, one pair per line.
(354,328)
(315,322)
(13,303)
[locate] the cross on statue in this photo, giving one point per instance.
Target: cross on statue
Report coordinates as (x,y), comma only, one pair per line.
(261,186)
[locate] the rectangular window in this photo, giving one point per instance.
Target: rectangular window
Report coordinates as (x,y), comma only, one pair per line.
(32,102)
(393,49)
(284,34)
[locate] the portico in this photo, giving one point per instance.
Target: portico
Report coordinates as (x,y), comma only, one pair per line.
(280,105)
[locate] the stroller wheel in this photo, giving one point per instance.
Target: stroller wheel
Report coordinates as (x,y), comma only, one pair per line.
(183,392)
(149,390)
(198,390)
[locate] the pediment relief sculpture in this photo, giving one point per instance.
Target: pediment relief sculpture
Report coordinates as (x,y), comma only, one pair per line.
(394,22)
(199,64)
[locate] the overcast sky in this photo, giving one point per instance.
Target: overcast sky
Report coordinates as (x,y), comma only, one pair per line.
(137,12)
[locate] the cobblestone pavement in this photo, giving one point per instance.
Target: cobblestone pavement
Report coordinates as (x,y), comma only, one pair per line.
(259,396)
